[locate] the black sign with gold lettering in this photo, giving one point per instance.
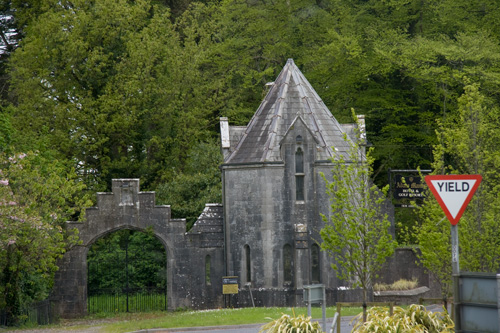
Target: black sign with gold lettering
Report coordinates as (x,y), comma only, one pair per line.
(409,187)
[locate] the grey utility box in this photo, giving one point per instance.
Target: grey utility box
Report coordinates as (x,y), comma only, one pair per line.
(315,294)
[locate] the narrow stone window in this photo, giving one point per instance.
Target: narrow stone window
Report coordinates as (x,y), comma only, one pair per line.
(299,161)
(287,264)
(315,265)
(207,270)
(248,264)
(299,190)
(299,175)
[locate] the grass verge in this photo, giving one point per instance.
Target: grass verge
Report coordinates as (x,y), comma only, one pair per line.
(127,322)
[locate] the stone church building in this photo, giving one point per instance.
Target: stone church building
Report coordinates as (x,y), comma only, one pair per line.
(265,232)
(274,194)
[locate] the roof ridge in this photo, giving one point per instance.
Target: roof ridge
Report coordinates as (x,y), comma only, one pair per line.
(260,109)
(290,96)
(278,110)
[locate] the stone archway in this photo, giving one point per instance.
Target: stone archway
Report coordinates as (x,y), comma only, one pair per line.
(124,208)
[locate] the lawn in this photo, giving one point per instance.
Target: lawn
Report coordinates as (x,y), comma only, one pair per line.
(127,322)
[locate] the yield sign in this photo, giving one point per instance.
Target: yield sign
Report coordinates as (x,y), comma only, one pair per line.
(453,192)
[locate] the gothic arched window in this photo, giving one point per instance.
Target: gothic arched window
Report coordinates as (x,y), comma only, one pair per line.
(207,270)
(299,175)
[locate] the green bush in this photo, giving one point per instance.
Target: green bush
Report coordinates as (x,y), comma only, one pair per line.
(413,319)
(292,324)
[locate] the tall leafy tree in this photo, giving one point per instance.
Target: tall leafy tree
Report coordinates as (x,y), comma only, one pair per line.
(110,87)
(200,183)
(470,143)
(76,47)
(357,230)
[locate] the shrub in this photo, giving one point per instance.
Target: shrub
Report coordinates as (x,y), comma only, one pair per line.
(291,324)
(414,319)
(398,285)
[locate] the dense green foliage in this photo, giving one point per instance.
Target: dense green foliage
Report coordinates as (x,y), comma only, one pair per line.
(108,90)
(127,272)
(200,183)
(126,259)
(113,89)
(37,196)
(125,89)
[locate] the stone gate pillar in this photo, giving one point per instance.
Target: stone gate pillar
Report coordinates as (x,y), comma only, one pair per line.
(69,295)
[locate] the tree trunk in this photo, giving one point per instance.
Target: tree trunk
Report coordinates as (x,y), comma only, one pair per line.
(364,304)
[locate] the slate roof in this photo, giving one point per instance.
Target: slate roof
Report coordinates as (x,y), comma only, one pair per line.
(290,97)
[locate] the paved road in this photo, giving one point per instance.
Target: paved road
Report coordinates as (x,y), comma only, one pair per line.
(345,327)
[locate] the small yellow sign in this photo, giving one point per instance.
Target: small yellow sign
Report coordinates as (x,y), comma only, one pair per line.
(229,285)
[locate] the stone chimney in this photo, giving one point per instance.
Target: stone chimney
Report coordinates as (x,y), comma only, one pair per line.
(224,136)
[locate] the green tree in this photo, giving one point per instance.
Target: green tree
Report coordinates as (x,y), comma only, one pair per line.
(399,63)
(357,230)
(254,39)
(37,197)
(467,146)
(352,70)
(112,88)
(5,130)
(433,236)
(200,183)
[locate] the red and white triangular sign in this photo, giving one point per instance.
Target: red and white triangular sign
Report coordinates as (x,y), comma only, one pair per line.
(453,192)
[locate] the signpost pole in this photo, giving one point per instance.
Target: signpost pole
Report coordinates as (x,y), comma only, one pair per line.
(455,270)
(324,308)
(455,266)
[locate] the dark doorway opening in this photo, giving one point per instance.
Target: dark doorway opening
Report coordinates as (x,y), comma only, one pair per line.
(127,273)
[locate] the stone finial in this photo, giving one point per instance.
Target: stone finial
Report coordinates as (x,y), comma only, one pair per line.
(362,127)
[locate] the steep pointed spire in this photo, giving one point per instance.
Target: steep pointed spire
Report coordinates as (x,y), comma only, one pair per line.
(290,96)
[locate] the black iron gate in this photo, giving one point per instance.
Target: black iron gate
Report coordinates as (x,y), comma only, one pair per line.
(127,273)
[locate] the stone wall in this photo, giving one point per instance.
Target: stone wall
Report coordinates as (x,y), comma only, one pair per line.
(189,285)
(403,264)
(128,208)
(290,297)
